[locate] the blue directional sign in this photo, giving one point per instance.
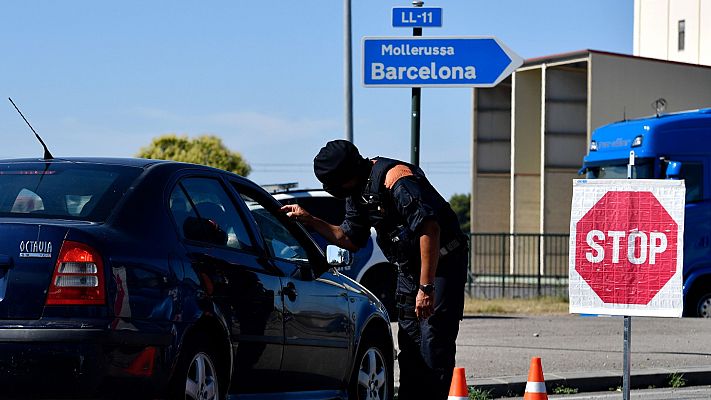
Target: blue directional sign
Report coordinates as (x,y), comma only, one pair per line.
(436,62)
(417,17)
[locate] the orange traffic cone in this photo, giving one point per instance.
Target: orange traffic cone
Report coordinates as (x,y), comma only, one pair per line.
(536,386)
(458,390)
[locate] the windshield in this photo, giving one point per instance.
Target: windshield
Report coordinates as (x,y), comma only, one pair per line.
(62,190)
(641,170)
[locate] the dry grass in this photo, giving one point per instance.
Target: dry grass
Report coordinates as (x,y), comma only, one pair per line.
(536,306)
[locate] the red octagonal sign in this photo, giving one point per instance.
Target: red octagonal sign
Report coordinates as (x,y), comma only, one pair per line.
(626,247)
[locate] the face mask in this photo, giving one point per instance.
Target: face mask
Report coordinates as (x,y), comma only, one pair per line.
(337,192)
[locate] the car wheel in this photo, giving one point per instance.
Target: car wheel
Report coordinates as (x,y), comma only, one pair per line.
(197,376)
(372,375)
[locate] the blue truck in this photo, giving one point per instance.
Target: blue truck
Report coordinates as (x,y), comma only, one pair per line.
(669,146)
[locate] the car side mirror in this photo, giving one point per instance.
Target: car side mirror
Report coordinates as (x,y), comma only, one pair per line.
(338,257)
(673,170)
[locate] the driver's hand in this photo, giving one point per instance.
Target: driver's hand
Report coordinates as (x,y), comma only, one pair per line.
(295,212)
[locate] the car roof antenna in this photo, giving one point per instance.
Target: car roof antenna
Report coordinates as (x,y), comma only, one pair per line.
(47,154)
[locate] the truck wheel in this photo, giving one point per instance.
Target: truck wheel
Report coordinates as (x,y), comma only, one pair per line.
(703,306)
(373,373)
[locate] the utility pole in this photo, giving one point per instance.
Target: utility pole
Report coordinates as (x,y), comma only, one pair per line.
(348,70)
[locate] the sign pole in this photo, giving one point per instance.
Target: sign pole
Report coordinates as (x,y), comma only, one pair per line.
(416,97)
(627,346)
(348,69)
(626,361)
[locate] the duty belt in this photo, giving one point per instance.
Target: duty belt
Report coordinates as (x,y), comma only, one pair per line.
(403,311)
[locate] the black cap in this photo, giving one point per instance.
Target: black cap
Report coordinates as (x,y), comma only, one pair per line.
(337,162)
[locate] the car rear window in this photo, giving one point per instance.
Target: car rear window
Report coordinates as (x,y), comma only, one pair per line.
(63,190)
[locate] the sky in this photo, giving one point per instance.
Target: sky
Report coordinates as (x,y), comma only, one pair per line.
(102,78)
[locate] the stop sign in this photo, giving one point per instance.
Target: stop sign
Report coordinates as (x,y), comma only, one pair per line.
(626,247)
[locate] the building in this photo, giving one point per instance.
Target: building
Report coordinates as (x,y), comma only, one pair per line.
(530,134)
(673,30)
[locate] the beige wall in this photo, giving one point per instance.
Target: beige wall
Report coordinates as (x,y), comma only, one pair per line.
(628,85)
(559,195)
(656,30)
(565,141)
(492,158)
(527,122)
(492,203)
(705,33)
(651,31)
(526,151)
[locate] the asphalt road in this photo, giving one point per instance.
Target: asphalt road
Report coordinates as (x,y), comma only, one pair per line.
(502,346)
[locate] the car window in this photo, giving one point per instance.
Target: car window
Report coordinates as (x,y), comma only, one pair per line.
(204,212)
(280,242)
(329,209)
(63,190)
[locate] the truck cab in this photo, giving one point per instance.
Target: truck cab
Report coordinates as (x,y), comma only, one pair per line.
(670,146)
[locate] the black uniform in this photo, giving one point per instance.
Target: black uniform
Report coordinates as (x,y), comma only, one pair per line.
(427,347)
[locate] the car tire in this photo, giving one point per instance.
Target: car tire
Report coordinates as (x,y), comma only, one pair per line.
(197,375)
(373,374)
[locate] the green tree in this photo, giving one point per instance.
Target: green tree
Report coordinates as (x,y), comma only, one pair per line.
(207,150)
(460,205)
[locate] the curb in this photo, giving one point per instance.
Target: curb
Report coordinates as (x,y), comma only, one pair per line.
(594,382)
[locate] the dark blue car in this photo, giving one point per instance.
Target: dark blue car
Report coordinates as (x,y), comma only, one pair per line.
(144,278)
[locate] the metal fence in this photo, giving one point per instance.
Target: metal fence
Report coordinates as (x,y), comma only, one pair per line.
(518,265)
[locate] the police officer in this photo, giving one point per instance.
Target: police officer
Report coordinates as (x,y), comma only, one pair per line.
(419,232)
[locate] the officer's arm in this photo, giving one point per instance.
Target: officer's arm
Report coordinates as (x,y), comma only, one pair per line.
(429,250)
(429,255)
(332,233)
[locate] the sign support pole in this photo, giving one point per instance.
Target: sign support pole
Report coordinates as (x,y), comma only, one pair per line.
(626,361)
(415,119)
(348,69)
(627,346)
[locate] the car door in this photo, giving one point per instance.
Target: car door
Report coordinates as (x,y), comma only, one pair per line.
(317,326)
(235,276)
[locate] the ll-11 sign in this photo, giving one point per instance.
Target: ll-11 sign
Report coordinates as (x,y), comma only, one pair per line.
(436,62)
(417,17)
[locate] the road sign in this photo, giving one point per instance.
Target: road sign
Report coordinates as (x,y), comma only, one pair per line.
(417,17)
(436,62)
(626,247)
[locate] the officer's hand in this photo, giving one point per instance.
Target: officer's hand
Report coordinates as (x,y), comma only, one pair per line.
(294,211)
(424,305)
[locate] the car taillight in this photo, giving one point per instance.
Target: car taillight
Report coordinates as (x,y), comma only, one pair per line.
(78,276)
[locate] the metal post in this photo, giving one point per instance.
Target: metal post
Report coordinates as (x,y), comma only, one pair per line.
(348,70)
(416,96)
(503,265)
(539,269)
(626,361)
(627,346)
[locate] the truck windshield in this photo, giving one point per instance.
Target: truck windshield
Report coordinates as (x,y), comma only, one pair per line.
(641,170)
